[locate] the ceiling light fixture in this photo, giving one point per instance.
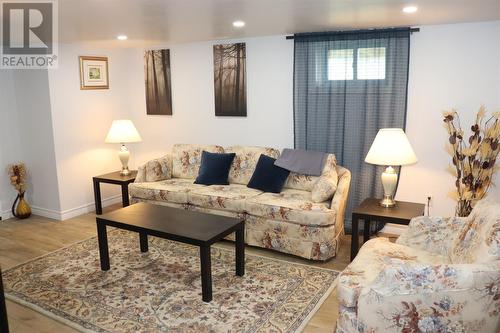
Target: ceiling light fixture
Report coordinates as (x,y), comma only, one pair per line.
(238,24)
(410,9)
(122,37)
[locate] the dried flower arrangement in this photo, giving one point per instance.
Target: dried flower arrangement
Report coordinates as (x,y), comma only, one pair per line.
(474,159)
(17,174)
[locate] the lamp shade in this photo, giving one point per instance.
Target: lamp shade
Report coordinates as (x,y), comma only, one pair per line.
(122,131)
(391,147)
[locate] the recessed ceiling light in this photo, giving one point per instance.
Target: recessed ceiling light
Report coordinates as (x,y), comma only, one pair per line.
(410,9)
(238,24)
(122,37)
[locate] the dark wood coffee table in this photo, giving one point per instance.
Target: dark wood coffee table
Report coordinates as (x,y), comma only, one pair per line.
(179,225)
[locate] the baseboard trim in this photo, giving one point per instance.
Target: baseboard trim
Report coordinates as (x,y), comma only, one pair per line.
(87,208)
(6,214)
(68,213)
(48,213)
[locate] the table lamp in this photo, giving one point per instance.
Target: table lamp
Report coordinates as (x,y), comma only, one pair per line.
(123,131)
(390,148)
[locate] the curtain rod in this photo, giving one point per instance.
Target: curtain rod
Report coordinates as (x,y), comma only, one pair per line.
(412,30)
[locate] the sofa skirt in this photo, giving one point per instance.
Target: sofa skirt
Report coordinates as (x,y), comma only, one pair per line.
(306,241)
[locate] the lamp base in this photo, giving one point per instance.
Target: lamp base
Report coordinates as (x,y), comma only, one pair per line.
(125,171)
(124,155)
(389,181)
(387,201)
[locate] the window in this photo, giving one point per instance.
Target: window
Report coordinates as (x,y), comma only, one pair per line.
(340,64)
(369,64)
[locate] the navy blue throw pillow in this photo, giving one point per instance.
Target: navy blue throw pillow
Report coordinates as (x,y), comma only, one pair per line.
(214,168)
(268,177)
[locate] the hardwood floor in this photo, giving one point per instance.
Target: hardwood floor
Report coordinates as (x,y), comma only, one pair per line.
(21,240)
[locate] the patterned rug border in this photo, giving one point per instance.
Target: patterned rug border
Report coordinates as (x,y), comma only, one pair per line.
(82,329)
(319,304)
(48,314)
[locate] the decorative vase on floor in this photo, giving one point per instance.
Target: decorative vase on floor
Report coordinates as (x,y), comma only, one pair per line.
(18,176)
(23,210)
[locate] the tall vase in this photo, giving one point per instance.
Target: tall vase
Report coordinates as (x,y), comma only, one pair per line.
(23,210)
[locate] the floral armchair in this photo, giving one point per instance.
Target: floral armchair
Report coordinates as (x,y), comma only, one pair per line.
(442,275)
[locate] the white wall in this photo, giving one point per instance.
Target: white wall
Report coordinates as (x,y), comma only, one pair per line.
(451,66)
(269,120)
(26,136)
(36,137)
(10,145)
(81,120)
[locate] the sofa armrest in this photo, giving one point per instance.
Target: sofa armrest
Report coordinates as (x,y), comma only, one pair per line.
(141,174)
(432,234)
(339,200)
(431,298)
(155,170)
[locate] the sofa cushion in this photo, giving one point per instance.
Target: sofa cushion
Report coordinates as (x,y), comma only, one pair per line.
(268,177)
(171,190)
(156,170)
(479,239)
(326,185)
(229,197)
(306,182)
(292,206)
(370,261)
(245,161)
(187,159)
(214,168)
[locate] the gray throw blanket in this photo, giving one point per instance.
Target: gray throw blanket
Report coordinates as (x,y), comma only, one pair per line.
(301,161)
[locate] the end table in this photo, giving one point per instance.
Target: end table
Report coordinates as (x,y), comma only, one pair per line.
(112,178)
(370,210)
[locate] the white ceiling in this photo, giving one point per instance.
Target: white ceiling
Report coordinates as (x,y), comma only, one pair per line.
(155,22)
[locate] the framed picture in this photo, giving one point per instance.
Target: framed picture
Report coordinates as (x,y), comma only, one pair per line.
(158,86)
(94,73)
(230,80)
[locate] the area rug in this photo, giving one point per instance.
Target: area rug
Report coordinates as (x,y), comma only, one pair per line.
(160,291)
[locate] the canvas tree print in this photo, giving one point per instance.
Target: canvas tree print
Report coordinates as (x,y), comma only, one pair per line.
(158,86)
(230,80)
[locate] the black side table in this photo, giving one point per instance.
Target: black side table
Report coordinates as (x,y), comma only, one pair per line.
(112,178)
(370,210)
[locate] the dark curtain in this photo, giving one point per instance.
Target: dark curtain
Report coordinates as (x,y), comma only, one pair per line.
(348,85)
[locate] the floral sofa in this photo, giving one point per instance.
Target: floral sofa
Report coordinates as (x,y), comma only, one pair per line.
(442,275)
(290,222)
